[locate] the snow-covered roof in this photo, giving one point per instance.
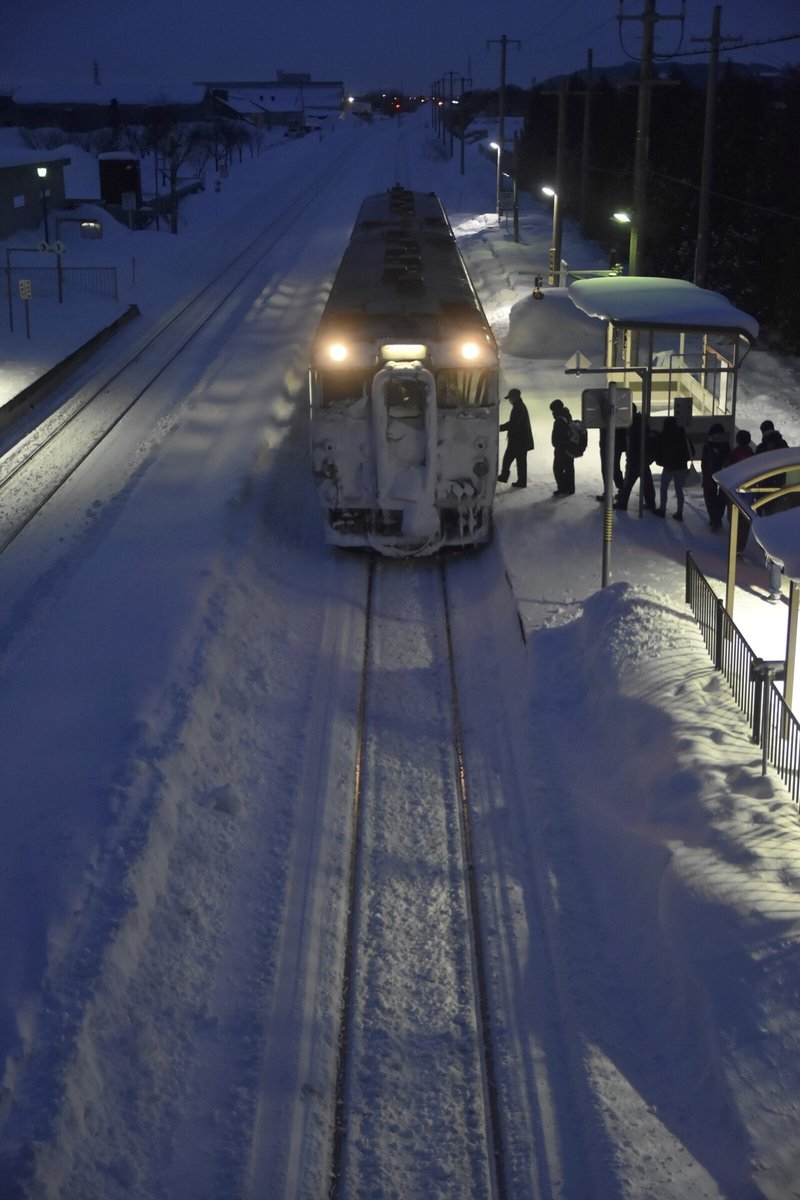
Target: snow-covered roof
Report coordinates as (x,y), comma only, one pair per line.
(778,533)
(24,158)
(659,303)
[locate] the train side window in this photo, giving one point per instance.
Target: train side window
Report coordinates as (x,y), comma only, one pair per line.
(463,389)
(341,387)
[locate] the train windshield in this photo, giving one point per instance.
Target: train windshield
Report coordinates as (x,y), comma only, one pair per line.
(464,389)
(342,387)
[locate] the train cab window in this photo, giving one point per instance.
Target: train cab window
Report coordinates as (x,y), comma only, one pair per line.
(341,387)
(463,389)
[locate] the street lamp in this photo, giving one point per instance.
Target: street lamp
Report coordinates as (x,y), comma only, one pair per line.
(42,173)
(496,146)
(625,218)
(555,249)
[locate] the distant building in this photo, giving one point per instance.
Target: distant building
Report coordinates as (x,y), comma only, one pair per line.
(295,101)
(24,196)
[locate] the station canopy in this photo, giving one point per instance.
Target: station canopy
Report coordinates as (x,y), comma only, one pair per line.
(766,487)
(645,301)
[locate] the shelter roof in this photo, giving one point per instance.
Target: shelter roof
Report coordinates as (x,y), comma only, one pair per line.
(777,532)
(642,300)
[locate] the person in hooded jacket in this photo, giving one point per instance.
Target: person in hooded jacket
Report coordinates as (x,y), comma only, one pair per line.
(520,440)
(716,450)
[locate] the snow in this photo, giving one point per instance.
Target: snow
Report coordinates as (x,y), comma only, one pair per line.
(663,303)
(177,701)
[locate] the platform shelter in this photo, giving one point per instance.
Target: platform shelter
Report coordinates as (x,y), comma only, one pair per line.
(677,347)
(765,490)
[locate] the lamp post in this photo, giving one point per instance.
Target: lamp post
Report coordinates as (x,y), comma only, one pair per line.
(496,146)
(42,173)
(624,217)
(555,249)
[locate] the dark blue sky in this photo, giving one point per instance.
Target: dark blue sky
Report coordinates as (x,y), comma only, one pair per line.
(380,43)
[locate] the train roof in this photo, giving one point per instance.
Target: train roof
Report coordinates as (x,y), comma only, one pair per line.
(402,262)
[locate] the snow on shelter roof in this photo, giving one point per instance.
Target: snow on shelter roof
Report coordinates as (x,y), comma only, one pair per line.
(778,533)
(659,304)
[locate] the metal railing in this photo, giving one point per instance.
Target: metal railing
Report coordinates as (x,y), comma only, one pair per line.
(752,680)
(45,281)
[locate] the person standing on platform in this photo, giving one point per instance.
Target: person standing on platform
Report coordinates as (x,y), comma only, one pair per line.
(520,440)
(636,469)
(563,461)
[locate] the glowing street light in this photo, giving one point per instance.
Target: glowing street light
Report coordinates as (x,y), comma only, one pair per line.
(626,218)
(555,249)
(42,173)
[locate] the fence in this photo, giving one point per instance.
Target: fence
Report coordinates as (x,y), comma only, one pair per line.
(44,280)
(752,680)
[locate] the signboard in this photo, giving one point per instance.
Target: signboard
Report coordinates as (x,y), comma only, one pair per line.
(25,289)
(594,407)
(128,200)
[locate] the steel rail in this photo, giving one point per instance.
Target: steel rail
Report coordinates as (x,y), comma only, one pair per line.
(277,228)
(480,990)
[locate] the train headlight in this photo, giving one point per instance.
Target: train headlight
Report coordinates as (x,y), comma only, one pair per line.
(470,351)
(338,352)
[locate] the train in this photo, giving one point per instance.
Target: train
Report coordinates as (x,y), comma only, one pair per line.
(403,387)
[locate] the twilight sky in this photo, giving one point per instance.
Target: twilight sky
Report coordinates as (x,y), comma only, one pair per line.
(385,43)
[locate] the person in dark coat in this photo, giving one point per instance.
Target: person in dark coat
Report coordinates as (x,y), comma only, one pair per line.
(636,469)
(672,452)
(742,450)
(563,462)
(716,450)
(620,446)
(771,439)
(520,440)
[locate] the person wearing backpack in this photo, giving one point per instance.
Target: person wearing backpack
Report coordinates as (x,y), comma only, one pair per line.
(520,440)
(563,459)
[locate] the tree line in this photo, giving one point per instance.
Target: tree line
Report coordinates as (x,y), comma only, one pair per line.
(754,233)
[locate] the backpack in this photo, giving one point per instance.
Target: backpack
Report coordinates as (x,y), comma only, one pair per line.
(577,438)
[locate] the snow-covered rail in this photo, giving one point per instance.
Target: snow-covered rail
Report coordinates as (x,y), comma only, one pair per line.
(32,471)
(416,1106)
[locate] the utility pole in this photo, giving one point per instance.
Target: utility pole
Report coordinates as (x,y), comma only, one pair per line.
(648,17)
(501,110)
(586,145)
(704,205)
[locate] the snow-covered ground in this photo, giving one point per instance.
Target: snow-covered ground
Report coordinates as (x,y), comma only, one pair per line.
(164,854)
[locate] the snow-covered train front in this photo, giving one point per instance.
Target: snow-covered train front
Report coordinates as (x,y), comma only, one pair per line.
(404,387)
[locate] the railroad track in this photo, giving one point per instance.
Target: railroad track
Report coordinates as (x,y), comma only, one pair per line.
(416,1094)
(33,471)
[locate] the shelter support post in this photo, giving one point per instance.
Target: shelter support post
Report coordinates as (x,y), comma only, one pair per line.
(791,641)
(733,542)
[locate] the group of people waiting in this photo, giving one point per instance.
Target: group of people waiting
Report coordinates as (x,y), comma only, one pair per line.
(670,448)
